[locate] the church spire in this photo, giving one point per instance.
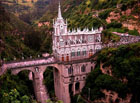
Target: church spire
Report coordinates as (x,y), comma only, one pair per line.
(59,12)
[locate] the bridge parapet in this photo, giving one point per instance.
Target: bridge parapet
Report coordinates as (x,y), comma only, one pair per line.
(28,63)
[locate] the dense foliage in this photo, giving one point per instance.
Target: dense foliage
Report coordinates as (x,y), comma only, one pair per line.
(16,88)
(125,63)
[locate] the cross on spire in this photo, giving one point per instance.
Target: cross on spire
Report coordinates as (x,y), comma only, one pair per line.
(59,12)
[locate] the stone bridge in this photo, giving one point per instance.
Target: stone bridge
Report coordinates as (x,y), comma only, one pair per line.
(69,77)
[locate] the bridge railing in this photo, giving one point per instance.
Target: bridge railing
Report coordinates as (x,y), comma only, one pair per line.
(22,64)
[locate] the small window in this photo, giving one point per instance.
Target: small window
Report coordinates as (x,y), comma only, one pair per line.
(36,69)
(84,78)
(77,86)
(73,53)
(70,70)
(78,53)
(83,68)
(84,52)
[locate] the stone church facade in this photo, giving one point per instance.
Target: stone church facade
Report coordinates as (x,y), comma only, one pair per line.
(76,44)
(70,48)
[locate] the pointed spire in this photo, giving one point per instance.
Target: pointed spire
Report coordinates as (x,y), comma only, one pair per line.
(59,12)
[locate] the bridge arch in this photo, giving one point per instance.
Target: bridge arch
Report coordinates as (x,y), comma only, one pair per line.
(51,76)
(18,70)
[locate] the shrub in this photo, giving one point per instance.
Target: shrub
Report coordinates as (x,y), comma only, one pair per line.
(114,25)
(133,32)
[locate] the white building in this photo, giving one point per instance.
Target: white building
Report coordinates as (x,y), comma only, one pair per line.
(76,44)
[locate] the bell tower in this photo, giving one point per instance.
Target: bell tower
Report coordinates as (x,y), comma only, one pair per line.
(60,30)
(60,26)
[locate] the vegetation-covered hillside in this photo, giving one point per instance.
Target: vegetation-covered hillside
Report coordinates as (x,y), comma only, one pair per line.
(12,30)
(18,40)
(27,10)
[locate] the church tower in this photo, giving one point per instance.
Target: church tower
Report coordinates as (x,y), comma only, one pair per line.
(60,27)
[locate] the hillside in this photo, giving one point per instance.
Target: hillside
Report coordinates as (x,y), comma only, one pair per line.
(95,11)
(27,10)
(12,31)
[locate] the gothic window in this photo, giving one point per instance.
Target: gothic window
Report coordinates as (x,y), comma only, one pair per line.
(98,39)
(70,89)
(77,42)
(62,57)
(78,53)
(83,68)
(98,48)
(36,69)
(73,53)
(90,38)
(66,43)
(84,78)
(70,70)
(55,51)
(84,52)
(61,43)
(77,86)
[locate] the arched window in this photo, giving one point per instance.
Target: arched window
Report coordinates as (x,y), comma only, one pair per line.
(83,68)
(70,89)
(98,48)
(73,53)
(98,39)
(77,86)
(70,70)
(78,52)
(84,52)
(36,69)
